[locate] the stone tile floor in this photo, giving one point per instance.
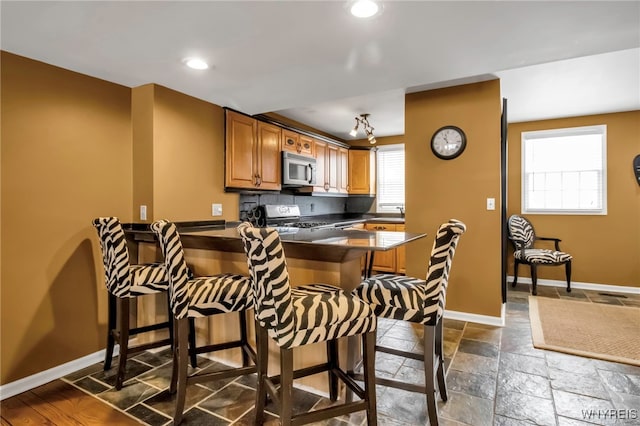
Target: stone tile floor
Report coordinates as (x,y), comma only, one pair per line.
(494,375)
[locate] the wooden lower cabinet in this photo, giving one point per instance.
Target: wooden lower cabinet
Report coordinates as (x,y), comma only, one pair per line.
(383,261)
(401,252)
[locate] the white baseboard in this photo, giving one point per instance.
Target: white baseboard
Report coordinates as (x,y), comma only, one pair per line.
(579,285)
(39,379)
(481,319)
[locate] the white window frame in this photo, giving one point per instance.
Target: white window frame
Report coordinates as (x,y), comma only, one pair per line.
(385,207)
(530,137)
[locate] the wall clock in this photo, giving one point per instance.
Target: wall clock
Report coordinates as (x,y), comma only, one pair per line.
(448,142)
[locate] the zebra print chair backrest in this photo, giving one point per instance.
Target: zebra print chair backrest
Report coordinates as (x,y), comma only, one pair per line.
(177,268)
(115,255)
(521,232)
(444,248)
(269,279)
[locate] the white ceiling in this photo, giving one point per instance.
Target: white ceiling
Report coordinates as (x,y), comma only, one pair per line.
(313,62)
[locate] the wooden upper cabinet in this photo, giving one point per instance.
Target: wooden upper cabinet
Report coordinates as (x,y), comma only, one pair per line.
(321,166)
(296,142)
(269,157)
(332,169)
(290,141)
(362,175)
(240,146)
(252,158)
(343,171)
(307,145)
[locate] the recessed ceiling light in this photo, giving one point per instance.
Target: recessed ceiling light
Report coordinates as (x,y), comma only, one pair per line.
(364,8)
(196,63)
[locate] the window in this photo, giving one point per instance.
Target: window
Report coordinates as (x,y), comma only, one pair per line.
(390,178)
(564,171)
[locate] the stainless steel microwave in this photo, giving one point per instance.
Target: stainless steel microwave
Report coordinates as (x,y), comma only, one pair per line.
(298,170)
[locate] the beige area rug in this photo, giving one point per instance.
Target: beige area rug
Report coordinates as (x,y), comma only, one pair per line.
(587,329)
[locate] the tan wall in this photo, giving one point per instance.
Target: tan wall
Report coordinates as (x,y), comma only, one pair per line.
(188,159)
(142,102)
(437,190)
(66,158)
(606,249)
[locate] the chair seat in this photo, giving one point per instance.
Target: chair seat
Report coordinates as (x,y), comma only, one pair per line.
(324,312)
(542,256)
(219,294)
(399,297)
(148,279)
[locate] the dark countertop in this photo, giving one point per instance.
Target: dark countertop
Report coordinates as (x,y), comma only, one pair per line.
(329,244)
(353,218)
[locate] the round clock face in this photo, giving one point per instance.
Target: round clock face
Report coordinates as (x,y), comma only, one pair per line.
(448,142)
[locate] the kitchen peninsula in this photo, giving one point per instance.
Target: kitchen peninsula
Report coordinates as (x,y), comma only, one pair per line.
(326,255)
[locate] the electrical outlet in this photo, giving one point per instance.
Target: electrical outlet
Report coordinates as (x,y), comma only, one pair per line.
(216,209)
(491,203)
(143,212)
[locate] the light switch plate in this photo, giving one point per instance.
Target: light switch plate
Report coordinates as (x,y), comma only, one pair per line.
(491,203)
(143,212)
(216,209)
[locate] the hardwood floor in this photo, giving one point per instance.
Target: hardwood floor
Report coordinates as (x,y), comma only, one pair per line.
(59,403)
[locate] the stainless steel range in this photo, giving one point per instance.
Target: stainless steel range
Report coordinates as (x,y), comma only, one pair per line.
(283,216)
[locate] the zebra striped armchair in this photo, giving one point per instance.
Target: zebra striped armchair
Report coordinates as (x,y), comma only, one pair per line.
(125,282)
(197,297)
(298,316)
(422,302)
(523,237)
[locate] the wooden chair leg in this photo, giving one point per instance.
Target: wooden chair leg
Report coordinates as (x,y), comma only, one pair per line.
(429,359)
(442,383)
(534,280)
(111,328)
(192,342)
(262,342)
(123,339)
(183,361)
(170,319)
(242,317)
(515,273)
(369,365)
(567,267)
(332,360)
(174,365)
(286,386)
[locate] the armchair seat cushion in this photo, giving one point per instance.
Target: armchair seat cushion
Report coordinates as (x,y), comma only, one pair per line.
(148,279)
(400,298)
(218,294)
(325,312)
(542,256)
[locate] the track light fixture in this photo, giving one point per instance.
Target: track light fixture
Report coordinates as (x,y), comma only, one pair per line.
(368,130)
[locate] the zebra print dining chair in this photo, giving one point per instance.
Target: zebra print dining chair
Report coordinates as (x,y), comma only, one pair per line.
(523,237)
(126,282)
(303,315)
(422,302)
(201,297)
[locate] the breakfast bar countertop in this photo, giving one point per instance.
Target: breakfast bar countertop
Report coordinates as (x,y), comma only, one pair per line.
(321,244)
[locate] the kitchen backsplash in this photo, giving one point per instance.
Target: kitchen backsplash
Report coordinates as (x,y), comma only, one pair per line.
(309,206)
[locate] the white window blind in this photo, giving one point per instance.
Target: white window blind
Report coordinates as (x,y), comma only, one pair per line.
(390,178)
(564,171)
